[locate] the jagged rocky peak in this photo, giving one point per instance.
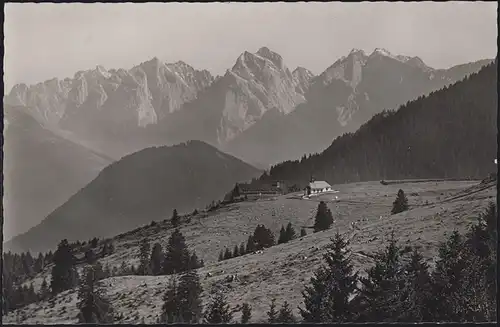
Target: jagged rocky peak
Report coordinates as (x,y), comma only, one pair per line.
(302,79)
(418,62)
(250,62)
(271,55)
(356,51)
(381,52)
(301,71)
(347,69)
(153,62)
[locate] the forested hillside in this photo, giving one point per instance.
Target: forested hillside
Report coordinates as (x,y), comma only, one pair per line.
(141,187)
(452,133)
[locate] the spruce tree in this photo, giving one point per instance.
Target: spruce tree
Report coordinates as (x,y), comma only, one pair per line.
(380,291)
(90,256)
(236,251)
(272,314)
(156,259)
(169,311)
(92,304)
(285,314)
(263,237)
(218,310)
(448,278)
(227,254)
(93,242)
(303,232)
(482,241)
(246,313)
(290,232)
(323,219)
(194,262)
(416,295)
(177,255)
(242,249)
(175,220)
(282,237)
(326,299)
(64,274)
(221,255)
(251,245)
(144,257)
(189,301)
(98,271)
(400,204)
(44,290)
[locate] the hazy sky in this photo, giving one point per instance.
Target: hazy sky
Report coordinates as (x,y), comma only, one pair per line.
(43,41)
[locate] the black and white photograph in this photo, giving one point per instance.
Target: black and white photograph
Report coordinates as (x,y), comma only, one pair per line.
(249,163)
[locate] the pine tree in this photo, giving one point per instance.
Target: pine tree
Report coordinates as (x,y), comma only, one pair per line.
(323,219)
(44,290)
(448,277)
(189,301)
(263,237)
(218,310)
(482,242)
(177,255)
(90,256)
(156,259)
(272,314)
(227,254)
(98,271)
(380,291)
(236,251)
(64,274)
(290,232)
(327,297)
(282,237)
(400,204)
(251,245)
(303,232)
(175,219)
(242,249)
(93,242)
(194,263)
(416,295)
(144,257)
(285,314)
(246,313)
(170,311)
(92,304)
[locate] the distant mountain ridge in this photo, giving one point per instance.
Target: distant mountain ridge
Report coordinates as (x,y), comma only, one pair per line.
(118,112)
(141,187)
(342,98)
(41,170)
(451,133)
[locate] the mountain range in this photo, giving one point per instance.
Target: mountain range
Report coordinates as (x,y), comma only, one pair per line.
(259,111)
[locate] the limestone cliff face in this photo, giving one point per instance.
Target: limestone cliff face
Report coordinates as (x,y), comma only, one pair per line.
(140,96)
(256,83)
